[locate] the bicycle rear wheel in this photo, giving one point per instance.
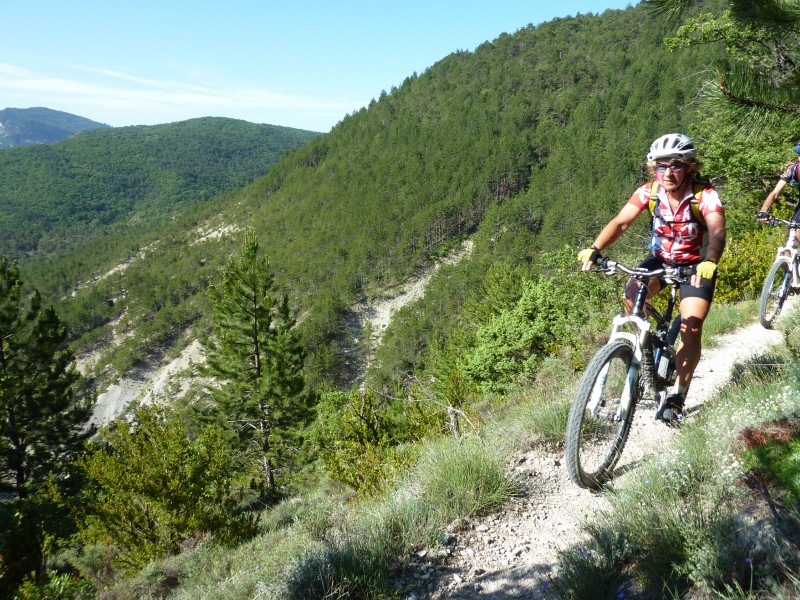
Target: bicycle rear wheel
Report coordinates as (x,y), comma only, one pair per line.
(774,293)
(597,430)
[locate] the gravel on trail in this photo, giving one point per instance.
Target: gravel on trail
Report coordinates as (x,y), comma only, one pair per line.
(509,554)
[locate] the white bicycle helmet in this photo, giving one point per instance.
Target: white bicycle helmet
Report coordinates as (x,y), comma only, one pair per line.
(672,145)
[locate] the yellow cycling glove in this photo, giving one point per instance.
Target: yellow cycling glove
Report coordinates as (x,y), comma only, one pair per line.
(588,255)
(706,269)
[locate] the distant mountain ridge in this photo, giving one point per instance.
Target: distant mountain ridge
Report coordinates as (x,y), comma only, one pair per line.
(56,196)
(39,125)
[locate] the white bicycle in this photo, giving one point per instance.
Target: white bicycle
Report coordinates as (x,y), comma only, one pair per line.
(783,277)
(638,362)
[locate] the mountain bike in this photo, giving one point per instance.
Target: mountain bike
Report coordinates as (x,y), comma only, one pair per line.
(783,278)
(637,363)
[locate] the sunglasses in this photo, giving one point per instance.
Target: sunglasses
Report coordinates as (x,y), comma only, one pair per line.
(676,167)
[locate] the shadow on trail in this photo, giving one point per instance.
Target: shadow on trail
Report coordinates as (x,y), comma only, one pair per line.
(531,582)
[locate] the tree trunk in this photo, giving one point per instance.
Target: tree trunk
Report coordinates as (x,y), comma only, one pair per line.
(454,424)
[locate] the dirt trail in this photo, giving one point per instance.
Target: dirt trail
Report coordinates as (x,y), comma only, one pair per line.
(509,554)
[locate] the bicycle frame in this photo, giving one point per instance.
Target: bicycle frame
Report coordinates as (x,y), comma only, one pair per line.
(619,374)
(638,339)
(788,252)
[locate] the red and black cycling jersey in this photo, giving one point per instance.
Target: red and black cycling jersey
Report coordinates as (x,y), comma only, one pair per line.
(678,237)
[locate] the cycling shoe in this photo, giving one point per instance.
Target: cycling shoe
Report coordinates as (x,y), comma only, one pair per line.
(671,412)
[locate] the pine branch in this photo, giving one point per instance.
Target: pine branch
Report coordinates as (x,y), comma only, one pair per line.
(745,89)
(777,13)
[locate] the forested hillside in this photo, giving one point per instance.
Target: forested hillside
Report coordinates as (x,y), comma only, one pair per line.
(29,126)
(527,143)
(57,197)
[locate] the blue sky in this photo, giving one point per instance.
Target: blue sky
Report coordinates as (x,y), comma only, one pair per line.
(299,64)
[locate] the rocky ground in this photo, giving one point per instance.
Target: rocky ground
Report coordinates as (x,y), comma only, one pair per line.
(511,553)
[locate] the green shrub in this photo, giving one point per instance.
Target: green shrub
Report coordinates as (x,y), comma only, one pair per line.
(745,265)
(515,341)
(55,586)
(353,436)
(153,486)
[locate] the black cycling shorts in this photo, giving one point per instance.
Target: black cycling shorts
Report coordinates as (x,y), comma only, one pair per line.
(687,290)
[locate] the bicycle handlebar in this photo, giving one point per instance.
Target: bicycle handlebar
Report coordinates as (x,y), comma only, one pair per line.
(775,221)
(677,274)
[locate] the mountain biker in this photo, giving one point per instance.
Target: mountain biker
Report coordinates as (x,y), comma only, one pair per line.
(677,239)
(789,176)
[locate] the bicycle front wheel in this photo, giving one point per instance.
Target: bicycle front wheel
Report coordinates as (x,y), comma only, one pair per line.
(601,415)
(774,293)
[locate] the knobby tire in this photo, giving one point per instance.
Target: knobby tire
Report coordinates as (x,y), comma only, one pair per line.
(594,443)
(774,293)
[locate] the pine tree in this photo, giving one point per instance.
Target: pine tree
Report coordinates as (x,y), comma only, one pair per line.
(43,424)
(256,361)
(44,418)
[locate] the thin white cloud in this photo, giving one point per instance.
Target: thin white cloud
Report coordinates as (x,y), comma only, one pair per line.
(135,100)
(13,70)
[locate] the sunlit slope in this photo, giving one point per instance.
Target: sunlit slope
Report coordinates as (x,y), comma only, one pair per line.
(529,142)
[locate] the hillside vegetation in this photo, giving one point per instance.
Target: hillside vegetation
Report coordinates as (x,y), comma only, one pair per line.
(29,126)
(525,146)
(530,141)
(56,198)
